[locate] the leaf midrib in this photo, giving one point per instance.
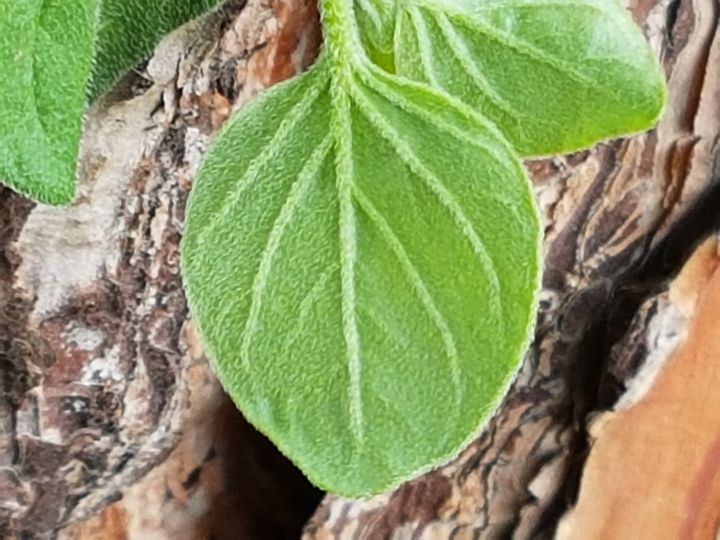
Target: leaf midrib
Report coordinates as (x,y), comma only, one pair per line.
(296,115)
(341,130)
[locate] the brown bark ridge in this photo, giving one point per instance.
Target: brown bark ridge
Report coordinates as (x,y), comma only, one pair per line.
(653,468)
(102,372)
(619,220)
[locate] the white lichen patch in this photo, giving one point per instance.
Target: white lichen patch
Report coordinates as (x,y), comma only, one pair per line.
(666,331)
(83,338)
(105,368)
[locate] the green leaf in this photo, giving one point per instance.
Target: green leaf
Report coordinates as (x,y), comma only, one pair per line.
(553,75)
(361,253)
(53,55)
(361,256)
(377,19)
(128,31)
(44,70)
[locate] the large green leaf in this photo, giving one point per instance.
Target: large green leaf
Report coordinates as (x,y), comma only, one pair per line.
(361,256)
(553,75)
(53,55)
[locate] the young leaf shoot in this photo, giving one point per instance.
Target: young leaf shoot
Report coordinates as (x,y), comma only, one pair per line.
(362,247)
(362,244)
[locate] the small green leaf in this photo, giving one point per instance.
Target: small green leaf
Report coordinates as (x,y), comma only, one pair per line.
(53,55)
(553,75)
(44,69)
(361,256)
(377,19)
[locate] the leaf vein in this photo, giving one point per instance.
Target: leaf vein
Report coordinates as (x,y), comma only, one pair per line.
(417,284)
(371,11)
(445,197)
(271,150)
(304,307)
(403,103)
(33,74)
(520,46)
(533,4)
(461,52)
(342,132)
(295,196)
(424,47)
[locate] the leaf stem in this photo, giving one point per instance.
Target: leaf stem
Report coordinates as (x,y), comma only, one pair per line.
(342,37)
(344,50)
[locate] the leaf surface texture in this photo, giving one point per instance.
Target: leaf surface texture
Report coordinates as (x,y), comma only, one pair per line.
(362,266)
(554,75)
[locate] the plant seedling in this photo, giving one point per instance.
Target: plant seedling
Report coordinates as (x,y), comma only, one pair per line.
(362,247)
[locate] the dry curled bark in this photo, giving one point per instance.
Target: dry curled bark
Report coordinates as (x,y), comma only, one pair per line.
(652,470)
(106,393)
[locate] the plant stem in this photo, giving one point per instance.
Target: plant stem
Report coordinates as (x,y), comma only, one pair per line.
(342,39)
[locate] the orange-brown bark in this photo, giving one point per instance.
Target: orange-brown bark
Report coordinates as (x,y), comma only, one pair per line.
(654,468)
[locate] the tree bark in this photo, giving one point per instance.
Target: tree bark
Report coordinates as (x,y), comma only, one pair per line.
(113,426)
(104,380)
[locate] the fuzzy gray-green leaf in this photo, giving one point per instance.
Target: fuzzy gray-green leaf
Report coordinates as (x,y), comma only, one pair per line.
(554,76)
(366,291)
(54,55)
